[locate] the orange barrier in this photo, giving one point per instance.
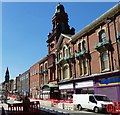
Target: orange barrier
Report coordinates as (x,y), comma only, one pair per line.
(55,101)
(113,108)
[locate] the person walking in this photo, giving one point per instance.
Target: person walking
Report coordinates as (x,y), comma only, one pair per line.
(26,104)
(3,111)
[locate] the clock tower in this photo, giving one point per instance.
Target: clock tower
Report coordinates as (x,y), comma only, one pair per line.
(59,25)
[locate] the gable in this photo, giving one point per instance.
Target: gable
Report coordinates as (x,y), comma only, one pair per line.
(63,39)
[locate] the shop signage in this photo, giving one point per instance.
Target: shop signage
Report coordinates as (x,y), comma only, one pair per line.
(66,86)
(109,80)
(84,84)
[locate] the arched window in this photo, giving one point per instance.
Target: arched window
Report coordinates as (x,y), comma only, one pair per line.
(80,67)
(41,68)
(79,47)
(65,72)
(45,65)
(104,61)
(102,36)
(70,50)
(84,45)
(64,52)
(60,55)
(85,66)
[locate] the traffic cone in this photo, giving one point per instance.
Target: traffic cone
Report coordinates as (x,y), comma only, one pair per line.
(3,111)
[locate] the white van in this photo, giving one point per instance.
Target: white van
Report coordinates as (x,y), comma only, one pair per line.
(96,102)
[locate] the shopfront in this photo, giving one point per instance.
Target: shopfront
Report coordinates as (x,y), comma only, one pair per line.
(109,85)
(50,91)
(66,90)
(85,87)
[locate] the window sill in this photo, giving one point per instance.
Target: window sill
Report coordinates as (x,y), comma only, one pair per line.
(105,70)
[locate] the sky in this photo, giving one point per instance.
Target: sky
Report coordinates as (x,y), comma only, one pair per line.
(25,26)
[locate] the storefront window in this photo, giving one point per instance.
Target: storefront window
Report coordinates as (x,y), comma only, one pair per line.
(87,90)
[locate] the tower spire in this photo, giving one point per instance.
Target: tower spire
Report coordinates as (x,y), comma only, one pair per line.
(7,75)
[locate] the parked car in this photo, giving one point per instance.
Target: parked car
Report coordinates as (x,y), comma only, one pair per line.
(95,102)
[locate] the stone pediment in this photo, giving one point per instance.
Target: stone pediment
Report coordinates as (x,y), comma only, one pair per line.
(63,39)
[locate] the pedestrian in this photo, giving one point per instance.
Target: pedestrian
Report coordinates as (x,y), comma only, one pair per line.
(26,104)
(3,111)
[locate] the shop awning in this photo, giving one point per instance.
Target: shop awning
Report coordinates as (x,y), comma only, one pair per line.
(50,86)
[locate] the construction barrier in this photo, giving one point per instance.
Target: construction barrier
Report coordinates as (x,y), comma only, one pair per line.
(113,108)
(31,108)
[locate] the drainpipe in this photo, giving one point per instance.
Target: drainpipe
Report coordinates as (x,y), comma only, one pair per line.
(110,42)
(74,90)
(117,43)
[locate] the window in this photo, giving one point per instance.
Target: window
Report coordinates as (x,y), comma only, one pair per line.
(41,68)
(70,70)
(92,99)
(102,98)
(84,45)
(64,52)
(104,61)
(60,55)
(42,80)
(85,66)
(102,36)
(65,72)
(45,65)
(46,79)
(80,67)
(70,51)
(79,47)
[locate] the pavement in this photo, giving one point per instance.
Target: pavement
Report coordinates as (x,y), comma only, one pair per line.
(59,111)
(56,111)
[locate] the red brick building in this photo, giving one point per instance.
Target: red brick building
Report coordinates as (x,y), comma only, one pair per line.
(87,62)
(34,81)
(60,25)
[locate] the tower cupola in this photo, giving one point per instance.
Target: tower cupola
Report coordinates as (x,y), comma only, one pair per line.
(60,8)
(59,24)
